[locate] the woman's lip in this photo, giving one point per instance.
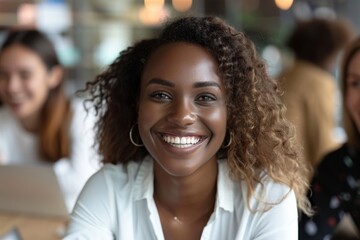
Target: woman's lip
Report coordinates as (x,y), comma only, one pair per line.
(181,134)
(14,105)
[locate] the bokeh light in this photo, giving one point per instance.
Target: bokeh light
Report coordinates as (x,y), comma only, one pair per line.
(182,5)
(284,4)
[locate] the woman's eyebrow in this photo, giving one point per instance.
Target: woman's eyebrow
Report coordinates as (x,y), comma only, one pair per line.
(161,82)
(195,85)
(206,84)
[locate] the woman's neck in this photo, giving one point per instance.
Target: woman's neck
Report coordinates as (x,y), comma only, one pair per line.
(186,198)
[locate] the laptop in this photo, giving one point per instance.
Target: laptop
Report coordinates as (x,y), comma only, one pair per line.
(32,190)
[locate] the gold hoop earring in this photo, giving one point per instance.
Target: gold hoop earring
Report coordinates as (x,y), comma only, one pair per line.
(131,138)
(230,141)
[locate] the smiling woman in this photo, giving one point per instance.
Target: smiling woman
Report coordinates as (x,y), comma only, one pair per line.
(40,124)
(209,156)
(336,184)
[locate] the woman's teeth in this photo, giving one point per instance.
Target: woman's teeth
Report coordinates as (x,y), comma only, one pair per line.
(181,142)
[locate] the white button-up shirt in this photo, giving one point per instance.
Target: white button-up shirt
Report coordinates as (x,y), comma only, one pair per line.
(117,203)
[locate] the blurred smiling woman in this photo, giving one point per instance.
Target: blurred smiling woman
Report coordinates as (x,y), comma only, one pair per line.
(335,187)
(39,123)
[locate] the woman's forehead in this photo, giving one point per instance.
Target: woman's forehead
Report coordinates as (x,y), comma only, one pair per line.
(181,60)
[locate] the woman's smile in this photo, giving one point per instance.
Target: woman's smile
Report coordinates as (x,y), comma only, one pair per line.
(181,141)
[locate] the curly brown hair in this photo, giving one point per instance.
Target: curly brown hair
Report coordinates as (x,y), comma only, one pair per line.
(262,139)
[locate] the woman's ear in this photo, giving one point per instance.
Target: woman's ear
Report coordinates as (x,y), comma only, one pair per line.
(56,75)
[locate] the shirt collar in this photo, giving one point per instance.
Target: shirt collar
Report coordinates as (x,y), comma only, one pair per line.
(225,188)
(144,184)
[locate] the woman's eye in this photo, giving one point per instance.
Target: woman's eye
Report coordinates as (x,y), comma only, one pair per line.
(160,96)
(25,75)
(355,84)
(206,98)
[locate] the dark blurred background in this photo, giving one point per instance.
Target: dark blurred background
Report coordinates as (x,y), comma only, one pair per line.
(89,34)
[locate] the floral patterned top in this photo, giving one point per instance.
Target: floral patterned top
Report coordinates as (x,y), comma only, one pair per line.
(334,192)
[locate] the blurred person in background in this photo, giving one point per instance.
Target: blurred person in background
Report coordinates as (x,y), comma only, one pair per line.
(39,123)
(336,183)
(309,86)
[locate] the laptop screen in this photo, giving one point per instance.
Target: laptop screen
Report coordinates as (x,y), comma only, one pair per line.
(31,190)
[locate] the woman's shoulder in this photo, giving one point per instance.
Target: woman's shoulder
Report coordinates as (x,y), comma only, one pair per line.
(334,159)
(271,191)
(266,192)
(83,118)
(267,195)
(120,171)
(79,107)
(8,123)
(123,176)
(5,116)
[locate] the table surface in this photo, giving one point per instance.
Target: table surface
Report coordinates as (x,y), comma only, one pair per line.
(33,227)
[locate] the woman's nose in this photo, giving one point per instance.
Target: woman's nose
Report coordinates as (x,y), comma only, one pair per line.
(182,113)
